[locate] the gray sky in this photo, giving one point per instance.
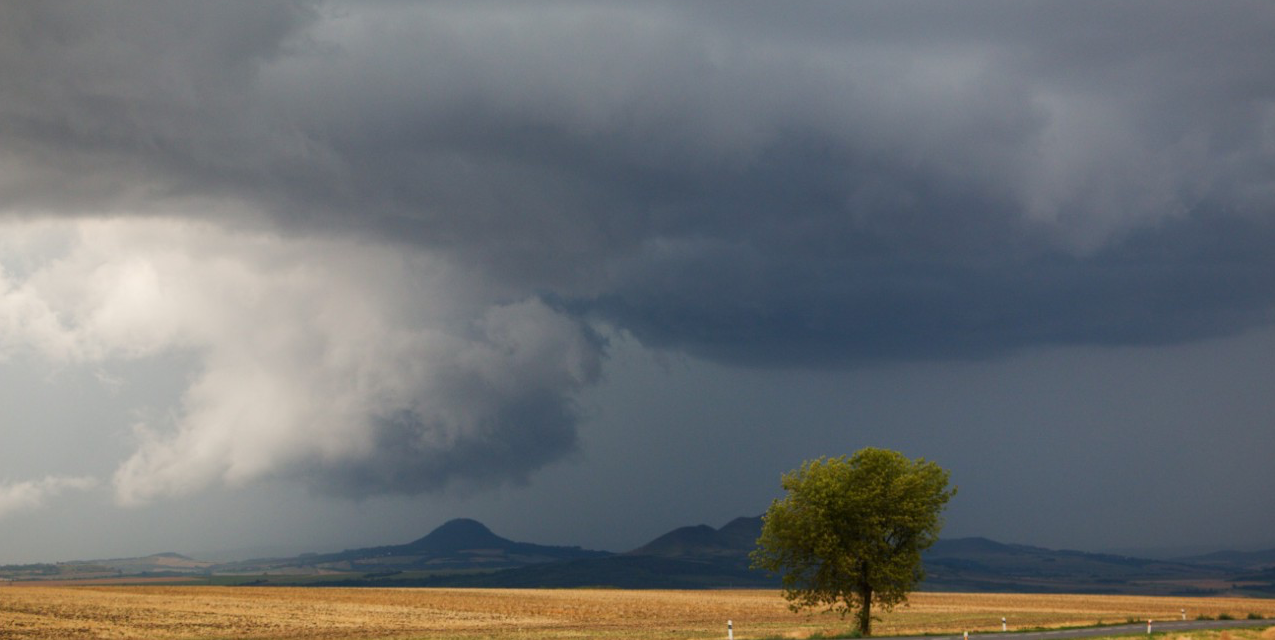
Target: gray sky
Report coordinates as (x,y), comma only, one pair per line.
(310,275)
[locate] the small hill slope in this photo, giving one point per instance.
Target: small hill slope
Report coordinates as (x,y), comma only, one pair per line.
(460,544)
(734,540)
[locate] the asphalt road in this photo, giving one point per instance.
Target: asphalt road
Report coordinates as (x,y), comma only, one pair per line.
(1114,630)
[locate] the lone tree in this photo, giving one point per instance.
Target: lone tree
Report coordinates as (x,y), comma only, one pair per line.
(851,531)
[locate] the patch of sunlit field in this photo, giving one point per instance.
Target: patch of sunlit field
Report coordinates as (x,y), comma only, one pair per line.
(1229,634)
(957,612)
(170,612)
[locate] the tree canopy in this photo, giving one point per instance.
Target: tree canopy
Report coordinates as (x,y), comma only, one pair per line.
(850,531)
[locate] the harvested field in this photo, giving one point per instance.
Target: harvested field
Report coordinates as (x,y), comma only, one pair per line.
(112,581)
(45,612)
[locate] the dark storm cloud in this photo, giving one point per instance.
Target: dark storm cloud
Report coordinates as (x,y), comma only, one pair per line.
(771,184)
(525,435)
(1183,281)
(371,246)
(119,103)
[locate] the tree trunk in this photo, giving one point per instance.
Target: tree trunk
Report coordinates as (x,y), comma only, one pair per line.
(865,610)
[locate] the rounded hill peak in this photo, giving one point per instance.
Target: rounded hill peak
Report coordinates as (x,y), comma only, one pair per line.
(463,526)
(459,534)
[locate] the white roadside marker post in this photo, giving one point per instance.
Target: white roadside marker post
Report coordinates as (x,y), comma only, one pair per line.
(730,630)
(1004,626)
(1184,614)
(967,635)
(1148,627)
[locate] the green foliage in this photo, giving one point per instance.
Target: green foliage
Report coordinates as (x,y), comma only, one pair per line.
(28,570)
(1255,616)
(850,531)
(1225,616)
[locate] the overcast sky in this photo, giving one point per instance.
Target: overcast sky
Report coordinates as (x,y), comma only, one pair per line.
(301,276)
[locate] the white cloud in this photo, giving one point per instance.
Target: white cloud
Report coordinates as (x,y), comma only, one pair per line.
(32,494)
(359,368)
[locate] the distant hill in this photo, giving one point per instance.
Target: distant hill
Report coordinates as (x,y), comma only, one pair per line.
(700,557)
(159,564)
(458,536)
(465,553)
(467,542)
(693,557)
(1242,560)
(734,540)
(979,564)
(457,545)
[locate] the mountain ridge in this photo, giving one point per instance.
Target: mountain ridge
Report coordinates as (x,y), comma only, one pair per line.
(466,553)
(734,539)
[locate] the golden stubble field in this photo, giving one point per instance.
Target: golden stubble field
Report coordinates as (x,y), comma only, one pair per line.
(46,612)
